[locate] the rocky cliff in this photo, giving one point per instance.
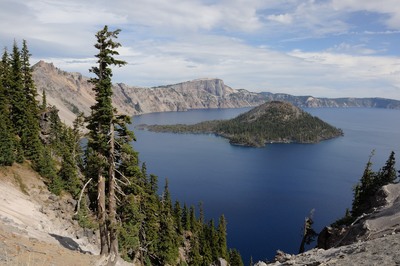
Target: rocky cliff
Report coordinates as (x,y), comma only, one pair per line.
(72,93)
(312,102)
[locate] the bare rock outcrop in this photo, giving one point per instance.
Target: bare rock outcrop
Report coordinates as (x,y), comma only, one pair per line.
(373,239)
(383,219)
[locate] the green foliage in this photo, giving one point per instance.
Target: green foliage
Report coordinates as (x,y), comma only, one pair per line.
(185,218)
(71,152)
(234,258)
(7,145)
(7,156)
(194,256)
(370,182)
(83,216)
(168,242)
(102,113)
(222,243)
(46,167)
(19,152)
(387,174)
(178,217)
(44,101)
(24,108)
(128,236)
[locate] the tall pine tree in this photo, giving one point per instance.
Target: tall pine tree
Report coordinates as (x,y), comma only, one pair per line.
(388,174)
(101,138)
(222,245)
(7,156)
(30,138)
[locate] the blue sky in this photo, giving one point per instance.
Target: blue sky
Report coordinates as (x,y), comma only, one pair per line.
(324,48)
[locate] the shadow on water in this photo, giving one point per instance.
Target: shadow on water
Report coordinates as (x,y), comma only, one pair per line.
(69,243)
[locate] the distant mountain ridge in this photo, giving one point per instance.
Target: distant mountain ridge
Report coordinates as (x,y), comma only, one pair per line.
(313,102)
(71,93)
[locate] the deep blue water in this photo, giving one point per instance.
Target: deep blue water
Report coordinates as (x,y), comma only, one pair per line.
(265,193)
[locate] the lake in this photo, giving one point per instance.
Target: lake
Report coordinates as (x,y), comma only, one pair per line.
(265,193)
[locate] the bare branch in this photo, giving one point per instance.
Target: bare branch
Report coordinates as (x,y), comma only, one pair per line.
(116,170)
(80,196)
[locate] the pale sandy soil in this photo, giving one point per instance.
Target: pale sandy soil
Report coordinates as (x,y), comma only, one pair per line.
(31,232)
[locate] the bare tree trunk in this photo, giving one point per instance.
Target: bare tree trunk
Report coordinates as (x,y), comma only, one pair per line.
(101,214)
(112,206)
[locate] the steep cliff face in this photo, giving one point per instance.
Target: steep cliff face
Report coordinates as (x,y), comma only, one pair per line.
(72,92)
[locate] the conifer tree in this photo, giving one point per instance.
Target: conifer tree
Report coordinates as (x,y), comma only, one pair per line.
(44,101)
(168,244)
(178,217)
(213,240)
(186,218)
(234,258)
(6,135)
(69,171)
(153,183)
(101,137)
(363,190)
(28,83)
(129,178)
(194,254)
(16,92)
(192,219)
(387,174)
(24,109)
(5,75)
(222,245)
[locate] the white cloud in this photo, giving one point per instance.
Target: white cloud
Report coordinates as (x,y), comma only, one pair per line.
(374,76)
(69,12)
(281,18)
(171,41)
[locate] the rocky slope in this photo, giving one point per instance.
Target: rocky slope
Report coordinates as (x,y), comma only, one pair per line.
(36,227)
(32,220)
(373,239)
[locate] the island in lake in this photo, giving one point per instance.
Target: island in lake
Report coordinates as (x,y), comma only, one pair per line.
(271,122)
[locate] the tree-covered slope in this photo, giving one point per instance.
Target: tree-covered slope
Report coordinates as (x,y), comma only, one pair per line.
(271,122)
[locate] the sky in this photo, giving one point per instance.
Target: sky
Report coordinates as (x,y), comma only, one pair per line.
(323,48)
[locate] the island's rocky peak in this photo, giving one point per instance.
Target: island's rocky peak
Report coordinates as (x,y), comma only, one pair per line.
(279,109)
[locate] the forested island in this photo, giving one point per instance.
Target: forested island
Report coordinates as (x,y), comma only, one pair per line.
(271,122)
